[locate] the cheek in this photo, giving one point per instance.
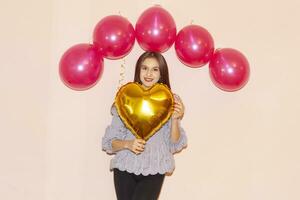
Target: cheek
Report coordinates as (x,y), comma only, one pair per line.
(157,75)
(142,73)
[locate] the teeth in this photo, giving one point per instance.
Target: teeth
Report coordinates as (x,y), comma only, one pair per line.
(148,79)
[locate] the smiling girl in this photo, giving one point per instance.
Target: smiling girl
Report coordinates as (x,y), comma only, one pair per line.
(139,167)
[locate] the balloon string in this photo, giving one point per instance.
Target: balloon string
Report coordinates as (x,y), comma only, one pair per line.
(119,12)
(122,74)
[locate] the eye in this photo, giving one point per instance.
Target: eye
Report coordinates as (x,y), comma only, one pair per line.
(156,69)
(144,68)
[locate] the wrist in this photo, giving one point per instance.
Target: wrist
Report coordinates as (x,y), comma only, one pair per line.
(126,144)
(175,119)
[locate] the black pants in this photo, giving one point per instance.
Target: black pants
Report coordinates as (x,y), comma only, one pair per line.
(137,187)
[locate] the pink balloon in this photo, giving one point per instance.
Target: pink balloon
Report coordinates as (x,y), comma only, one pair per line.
(81,66)
(114,36)
(229,69)
(194,46)
(155,30)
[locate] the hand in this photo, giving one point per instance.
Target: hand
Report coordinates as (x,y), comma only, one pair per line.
(178,108)
(137,146)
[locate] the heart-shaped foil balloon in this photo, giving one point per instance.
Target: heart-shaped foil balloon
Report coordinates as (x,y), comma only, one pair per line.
(144,111)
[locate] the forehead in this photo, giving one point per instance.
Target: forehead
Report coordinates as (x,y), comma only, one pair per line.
(150,62)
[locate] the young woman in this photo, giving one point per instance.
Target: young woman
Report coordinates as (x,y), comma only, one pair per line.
(140,167)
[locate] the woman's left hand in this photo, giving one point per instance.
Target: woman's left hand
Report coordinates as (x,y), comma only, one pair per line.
(178,108)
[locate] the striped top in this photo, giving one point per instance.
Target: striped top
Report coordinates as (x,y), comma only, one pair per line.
(157,156)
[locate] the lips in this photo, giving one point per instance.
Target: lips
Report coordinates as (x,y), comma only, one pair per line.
(148,79)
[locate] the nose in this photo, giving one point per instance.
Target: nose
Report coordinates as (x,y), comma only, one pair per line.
(149,73)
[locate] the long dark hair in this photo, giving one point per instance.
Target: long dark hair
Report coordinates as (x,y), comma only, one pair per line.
(163,67)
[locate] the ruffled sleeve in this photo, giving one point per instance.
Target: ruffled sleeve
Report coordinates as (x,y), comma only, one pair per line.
(116,130)
(180,144)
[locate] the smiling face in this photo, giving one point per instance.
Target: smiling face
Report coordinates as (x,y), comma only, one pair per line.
(150,72)
(151,68)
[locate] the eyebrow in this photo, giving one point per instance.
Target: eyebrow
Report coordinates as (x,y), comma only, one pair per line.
(147,66)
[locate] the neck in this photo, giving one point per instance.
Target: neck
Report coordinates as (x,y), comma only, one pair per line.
(145,87)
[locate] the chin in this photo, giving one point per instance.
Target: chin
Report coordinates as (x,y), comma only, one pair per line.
(148,85)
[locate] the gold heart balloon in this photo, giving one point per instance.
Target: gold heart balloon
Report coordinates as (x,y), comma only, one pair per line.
(144,111)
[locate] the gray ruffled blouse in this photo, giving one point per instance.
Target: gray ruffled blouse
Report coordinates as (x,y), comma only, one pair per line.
(157,156)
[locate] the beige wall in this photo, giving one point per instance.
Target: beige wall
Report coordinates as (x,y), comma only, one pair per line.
(25,51)
(242,145)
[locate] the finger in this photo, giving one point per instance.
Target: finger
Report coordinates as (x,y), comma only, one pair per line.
(141,141)
(136,152)
(176,103)
(177,110)
(137,141)
(139,145)
(139,150)
(179,102)
(178,106)
(176,100)
(178,97)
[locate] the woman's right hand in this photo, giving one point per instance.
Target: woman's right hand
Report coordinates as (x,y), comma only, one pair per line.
(137,146)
